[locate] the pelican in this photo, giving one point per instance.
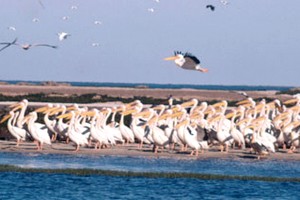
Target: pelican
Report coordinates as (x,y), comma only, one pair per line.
(18,133)
(63,35)
(39,134)
(25,46)
(187,61)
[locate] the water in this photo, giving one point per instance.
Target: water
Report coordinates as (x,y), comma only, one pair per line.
(169,86)
(66,186)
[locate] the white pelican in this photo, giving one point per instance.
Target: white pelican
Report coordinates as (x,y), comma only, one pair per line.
(187,61)
(72,133)
(39,134)
(125,130)
(23,106)
(63,35)
(158,135)
(18,133)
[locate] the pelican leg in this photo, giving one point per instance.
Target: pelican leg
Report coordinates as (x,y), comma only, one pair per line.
(77,148)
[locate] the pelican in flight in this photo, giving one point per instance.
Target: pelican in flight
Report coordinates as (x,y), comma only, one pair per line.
(187,61)
(25,46)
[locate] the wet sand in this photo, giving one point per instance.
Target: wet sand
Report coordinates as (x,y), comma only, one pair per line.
(132,150)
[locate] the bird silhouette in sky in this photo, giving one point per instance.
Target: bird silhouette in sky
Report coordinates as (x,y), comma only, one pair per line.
(211,7)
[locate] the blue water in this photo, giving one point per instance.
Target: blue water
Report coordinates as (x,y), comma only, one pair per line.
(63,186)
(169,86)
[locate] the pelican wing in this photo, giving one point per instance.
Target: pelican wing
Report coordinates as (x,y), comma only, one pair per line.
(45,45)
(7,44)
(190,63)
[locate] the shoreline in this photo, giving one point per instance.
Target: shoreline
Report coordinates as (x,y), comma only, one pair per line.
(131,150)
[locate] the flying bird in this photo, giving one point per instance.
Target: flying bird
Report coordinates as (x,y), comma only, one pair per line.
(24,46)
(12,28)
(63,35)
(187,61)
(7,44)
(35,20)
(211,7)
(151,10)
(97,22)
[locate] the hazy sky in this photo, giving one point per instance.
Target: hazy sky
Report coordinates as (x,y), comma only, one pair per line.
(247,42)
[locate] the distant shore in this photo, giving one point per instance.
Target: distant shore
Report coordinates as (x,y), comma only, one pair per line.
(184,94)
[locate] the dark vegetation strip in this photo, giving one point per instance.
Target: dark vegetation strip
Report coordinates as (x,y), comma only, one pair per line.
(99,172)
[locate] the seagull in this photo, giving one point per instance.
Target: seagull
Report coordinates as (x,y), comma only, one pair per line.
(187,61)
(95,44)
(157,1)
(7,44)
(97,22)
(11,28)
(65,18)
(35,20)
(74,7)
(41,3)
(25,46)
(211,7)
(241,93)
(151,10)
(224,2)
(63,35)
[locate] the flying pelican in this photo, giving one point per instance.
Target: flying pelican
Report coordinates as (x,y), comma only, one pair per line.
(187,61)
(63,35)
(25,46)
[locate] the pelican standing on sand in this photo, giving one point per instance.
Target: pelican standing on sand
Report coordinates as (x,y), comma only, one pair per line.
(187,61)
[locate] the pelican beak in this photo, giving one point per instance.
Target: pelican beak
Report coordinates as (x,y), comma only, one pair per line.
(246,101)
(72,108)
(230,115)
(67,116)
(219,104)
(290,101)
(184,122)
(41,109)
(164,116)
(187,104)
(142,114)
(6,117)
(128,112)
(16,107)
(171,58)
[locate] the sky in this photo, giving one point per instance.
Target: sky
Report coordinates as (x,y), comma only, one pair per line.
(246,42)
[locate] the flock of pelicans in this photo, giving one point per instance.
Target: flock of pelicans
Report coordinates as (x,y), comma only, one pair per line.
(191,126)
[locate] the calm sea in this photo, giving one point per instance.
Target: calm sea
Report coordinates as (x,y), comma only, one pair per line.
(169,86)
(26,185)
